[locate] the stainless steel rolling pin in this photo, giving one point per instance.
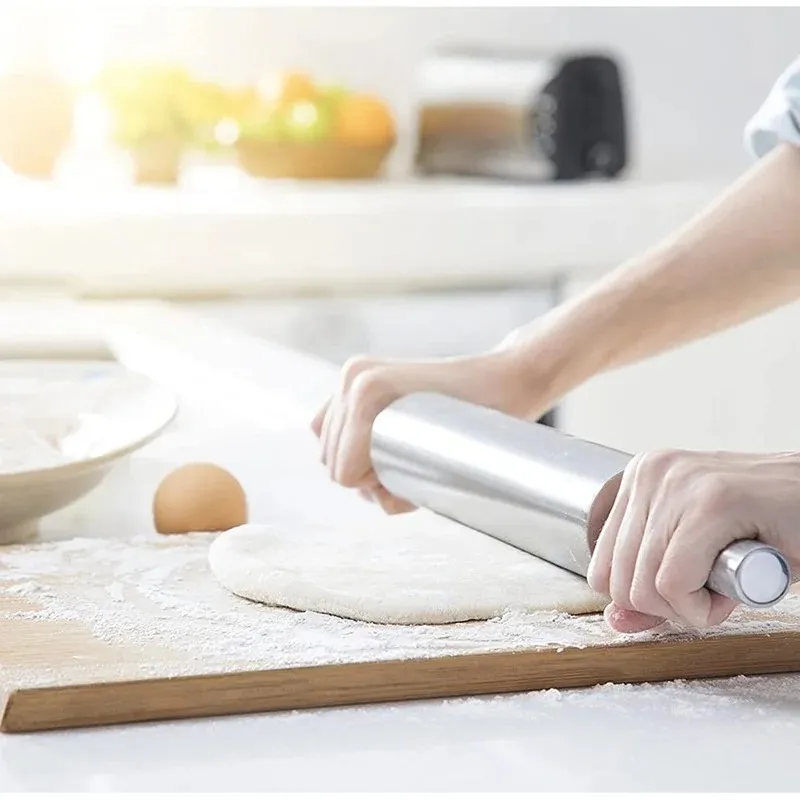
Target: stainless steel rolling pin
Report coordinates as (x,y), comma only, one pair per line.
(532,487)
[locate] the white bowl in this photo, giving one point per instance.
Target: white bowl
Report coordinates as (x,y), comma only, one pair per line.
(63,425)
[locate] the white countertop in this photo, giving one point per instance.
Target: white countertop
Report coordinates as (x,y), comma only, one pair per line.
(723,735)
(221,233)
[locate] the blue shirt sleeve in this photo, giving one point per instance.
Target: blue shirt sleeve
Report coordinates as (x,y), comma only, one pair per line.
(778,119)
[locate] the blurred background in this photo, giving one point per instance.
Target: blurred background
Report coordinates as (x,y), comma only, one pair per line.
(404,181)
(693,75)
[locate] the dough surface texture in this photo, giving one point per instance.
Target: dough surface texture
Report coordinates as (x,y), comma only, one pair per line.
(423,571)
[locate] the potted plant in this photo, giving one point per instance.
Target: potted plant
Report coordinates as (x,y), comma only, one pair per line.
(154,117)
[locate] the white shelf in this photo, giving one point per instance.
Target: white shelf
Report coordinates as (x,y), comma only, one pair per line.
(223,233)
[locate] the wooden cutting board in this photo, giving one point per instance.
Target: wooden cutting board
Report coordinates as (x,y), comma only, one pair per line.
(104,633)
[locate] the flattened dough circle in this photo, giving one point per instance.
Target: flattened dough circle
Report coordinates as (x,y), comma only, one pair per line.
(428,572)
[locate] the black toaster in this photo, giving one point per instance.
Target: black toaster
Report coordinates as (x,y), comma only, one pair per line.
(521,116)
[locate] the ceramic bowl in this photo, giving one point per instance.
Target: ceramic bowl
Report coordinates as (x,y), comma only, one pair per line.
(63,426)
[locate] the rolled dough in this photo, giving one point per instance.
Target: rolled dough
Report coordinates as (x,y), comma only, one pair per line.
(425,570)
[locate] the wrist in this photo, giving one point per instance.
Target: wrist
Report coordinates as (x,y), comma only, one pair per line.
(617,320)
(522,380)
(545,361)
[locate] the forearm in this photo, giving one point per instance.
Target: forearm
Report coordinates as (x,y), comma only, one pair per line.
(738,259)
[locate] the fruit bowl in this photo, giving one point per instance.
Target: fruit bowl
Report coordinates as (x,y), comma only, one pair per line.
(325,160)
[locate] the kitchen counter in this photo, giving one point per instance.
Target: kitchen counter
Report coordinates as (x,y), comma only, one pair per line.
(222,233)
(724,735)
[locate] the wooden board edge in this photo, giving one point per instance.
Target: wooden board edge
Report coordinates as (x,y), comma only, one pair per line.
(5,702)
(212,695)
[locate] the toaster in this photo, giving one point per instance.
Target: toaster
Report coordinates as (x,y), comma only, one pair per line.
(521,116)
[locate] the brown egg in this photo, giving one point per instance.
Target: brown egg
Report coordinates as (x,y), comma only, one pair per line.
(199,497)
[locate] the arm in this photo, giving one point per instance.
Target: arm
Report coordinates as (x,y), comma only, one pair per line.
(737,260)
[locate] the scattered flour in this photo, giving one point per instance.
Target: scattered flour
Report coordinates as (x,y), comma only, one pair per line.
(154,599)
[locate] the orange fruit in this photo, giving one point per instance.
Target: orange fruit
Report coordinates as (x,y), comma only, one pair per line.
(289,87)
(364,119)
(37,113)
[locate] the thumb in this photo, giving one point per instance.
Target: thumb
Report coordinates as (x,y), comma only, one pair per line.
(623,620)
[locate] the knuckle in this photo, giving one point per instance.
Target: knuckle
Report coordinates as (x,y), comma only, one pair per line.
(668,584)
(365,386)
(658,463)
(368,390)
(354,367)
(680,473)
(646,600)
(714,493)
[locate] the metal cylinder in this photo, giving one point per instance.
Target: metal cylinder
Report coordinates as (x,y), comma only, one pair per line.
(531,486)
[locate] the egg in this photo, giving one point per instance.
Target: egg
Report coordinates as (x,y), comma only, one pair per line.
(199,497)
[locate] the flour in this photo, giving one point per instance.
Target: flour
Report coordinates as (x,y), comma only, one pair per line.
(50,421)
(32,435)
(23,448)
(153,599)
(35,417)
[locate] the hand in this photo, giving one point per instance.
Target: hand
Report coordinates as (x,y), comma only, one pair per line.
(675,512)
(367,386)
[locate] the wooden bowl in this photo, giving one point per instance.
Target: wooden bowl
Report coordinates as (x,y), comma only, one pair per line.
(311,160)
(157,162)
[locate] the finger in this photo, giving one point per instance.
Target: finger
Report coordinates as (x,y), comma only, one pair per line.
(644,596)
(324,429)
(368,396)
(332,433)
(350,373)
(319,419)
(599,572)
(721,609)
(687,563)
(378,494)
(391,504)
(678,490)
(627,544)
(369,487)
(623,620)
(353,465)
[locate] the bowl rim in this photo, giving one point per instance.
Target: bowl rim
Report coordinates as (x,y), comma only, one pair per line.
(168,405)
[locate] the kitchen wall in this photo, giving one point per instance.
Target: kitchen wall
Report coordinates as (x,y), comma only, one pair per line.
(695,74)
(736,390)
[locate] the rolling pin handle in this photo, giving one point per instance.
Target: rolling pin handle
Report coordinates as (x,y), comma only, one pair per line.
(752,573)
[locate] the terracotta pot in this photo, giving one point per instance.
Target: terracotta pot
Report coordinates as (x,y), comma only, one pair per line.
(36,114)
(157,161)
